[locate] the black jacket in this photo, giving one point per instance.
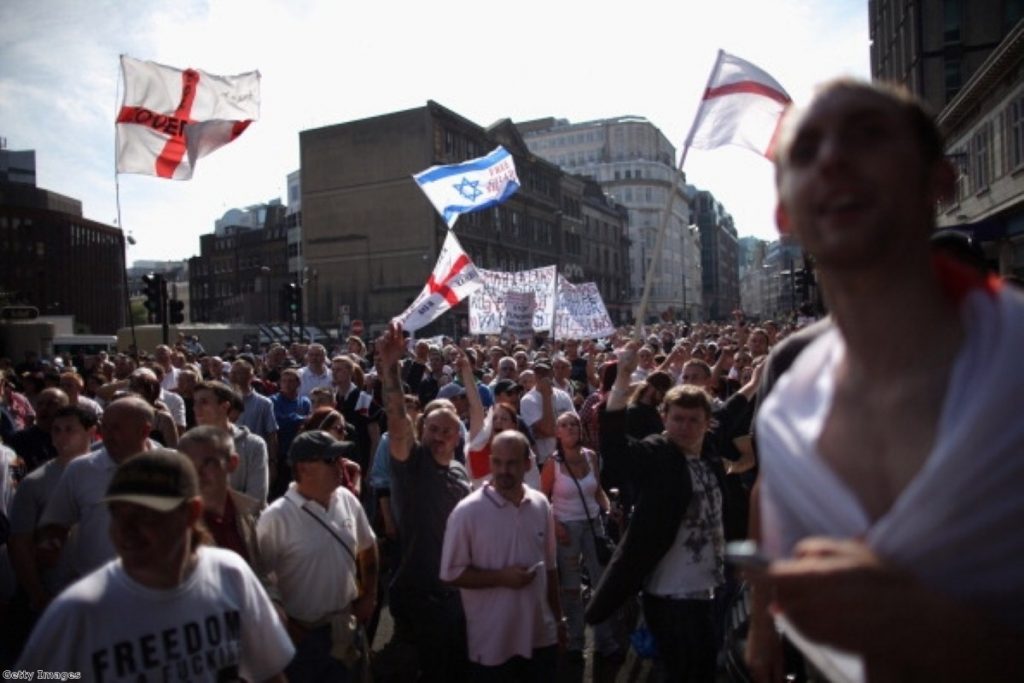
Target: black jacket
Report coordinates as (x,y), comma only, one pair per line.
(660,479)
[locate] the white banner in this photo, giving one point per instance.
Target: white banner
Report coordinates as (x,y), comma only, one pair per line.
(581,312)
(488,308)
(520,308)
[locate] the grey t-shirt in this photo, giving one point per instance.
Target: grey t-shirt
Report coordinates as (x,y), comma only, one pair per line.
(426,493)
(27,508)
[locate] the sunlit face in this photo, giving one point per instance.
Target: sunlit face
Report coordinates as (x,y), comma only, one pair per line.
(208,409)
(852,181)
(502,420)
(69,437)
(212,466)
(289,385)
(695,375)
(341,373)
(567,430)
(686,427)
(509,464)
(316,356)
(527,380)
(441,433)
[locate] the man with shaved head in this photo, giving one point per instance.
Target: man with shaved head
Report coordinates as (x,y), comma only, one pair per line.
(78,497)
(427,481)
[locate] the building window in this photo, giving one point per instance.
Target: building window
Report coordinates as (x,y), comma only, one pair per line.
(953,78)
(1015,133)
(981,157)
(952,14)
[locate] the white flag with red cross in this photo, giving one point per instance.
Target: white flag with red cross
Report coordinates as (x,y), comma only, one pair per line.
(742,105)
(454,278)
(169,118)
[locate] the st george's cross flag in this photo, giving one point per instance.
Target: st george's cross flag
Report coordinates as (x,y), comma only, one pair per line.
(742,105)
(470,186)
(169,118)
(453,279)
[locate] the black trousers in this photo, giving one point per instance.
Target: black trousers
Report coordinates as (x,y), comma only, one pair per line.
(684,633)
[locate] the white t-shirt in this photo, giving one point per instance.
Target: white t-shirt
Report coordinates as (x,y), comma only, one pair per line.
(957,524)
(217,625)
(315,576)
(309,380)
(78,499)
(531,410)
(176,405)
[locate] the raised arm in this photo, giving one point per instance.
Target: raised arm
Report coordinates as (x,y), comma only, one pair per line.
(619,394)
(476,406)
(390,349)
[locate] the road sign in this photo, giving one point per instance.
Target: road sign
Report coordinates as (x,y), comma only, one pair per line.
(356,328)
(19,312)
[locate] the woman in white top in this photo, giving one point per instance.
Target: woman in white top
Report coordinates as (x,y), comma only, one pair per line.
(572,505)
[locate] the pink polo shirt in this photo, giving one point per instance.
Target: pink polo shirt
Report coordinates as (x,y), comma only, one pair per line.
(488,532)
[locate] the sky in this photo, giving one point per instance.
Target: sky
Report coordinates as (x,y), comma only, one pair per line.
(329,62)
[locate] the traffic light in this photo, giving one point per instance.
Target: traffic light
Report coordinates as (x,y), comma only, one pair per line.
(293,299)
(154,290)
(176,311)
(803,284)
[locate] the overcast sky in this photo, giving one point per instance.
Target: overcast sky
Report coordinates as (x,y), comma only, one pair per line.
(328,62)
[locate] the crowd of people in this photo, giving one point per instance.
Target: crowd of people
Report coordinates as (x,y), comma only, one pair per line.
(193,516)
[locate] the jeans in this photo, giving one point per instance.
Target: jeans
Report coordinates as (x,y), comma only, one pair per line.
(313,661)
(541,668)
(684,633)
(581,547)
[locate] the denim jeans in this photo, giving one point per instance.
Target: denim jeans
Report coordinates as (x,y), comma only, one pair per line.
(581,548)
(313,661)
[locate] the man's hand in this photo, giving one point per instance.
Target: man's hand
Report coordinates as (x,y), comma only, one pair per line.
(390,346)
(544,386)
(517,577)
(363,607)
(628,359)
(838,592)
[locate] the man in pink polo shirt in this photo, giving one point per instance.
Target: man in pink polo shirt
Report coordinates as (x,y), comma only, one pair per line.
(499,549)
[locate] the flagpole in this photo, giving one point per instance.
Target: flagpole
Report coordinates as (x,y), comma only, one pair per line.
(667,213)
(120,223)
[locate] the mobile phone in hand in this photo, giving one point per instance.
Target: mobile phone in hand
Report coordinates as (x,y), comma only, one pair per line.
(746,555)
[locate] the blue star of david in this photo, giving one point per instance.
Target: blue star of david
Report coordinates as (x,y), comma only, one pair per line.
(468,189)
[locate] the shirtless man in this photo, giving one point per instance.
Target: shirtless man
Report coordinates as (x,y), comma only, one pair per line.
(889,480)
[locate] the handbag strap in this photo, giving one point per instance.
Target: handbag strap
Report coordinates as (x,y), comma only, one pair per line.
(331,531)
(583,499)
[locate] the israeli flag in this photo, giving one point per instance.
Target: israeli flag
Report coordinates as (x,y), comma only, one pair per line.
(470,186)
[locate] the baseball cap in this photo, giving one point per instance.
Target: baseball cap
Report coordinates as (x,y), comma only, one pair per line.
(451,390)
(160,479)
(318,445)
(504,386)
